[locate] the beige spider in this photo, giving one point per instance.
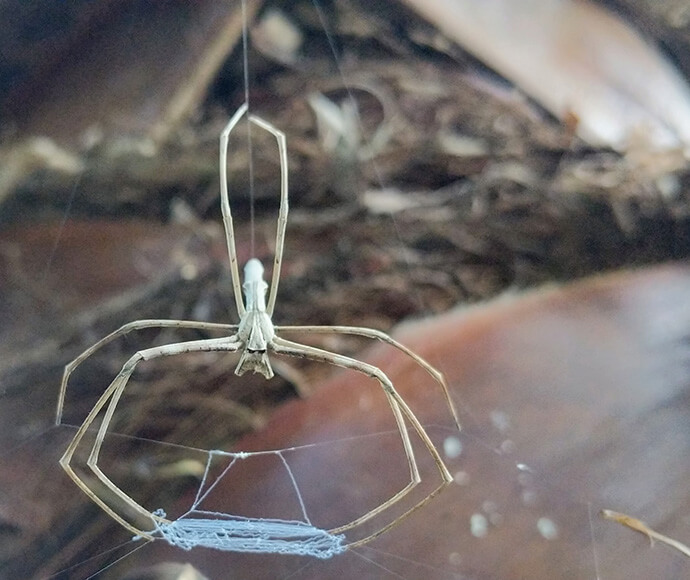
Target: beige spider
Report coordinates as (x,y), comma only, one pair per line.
(255,338)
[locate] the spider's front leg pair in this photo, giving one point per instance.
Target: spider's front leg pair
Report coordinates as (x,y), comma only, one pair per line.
(255,338)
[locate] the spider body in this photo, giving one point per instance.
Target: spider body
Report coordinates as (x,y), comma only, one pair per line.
(256,330)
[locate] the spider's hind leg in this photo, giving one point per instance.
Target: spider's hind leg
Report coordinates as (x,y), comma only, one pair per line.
(111,397)
(401,412)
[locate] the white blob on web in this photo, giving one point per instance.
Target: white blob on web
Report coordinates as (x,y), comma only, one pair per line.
(452,447)
(479,525)
(231,533)
(547,528)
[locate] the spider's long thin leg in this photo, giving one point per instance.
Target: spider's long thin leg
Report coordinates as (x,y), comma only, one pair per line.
(131,326)
(112,394)
(383,337)
(286,347)
(296,350)
(225,208)
(282,212)
(65,461)
(227,214)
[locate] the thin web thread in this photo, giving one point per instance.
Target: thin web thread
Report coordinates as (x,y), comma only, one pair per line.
(245,59)
(375,166)
(417,294)
(360,124)
(232,533)
(61,227)
(240,455)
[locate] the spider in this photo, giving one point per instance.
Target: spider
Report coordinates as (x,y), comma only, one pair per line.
(255,339)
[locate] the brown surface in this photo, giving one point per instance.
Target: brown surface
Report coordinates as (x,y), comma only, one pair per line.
(137,74)
(593,380)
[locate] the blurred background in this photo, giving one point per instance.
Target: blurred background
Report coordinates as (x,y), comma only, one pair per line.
(441,154)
